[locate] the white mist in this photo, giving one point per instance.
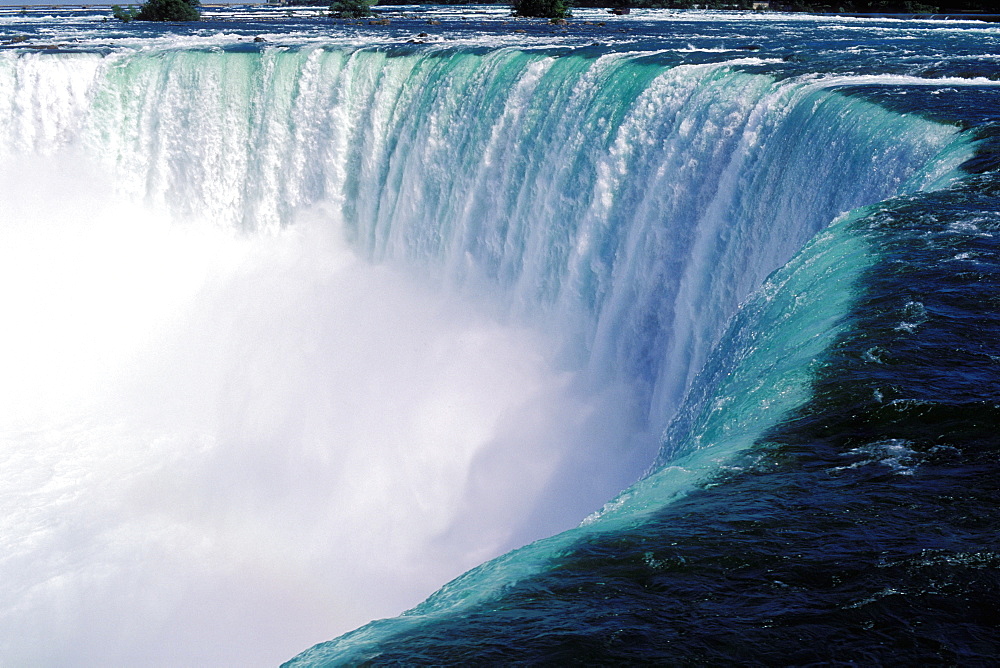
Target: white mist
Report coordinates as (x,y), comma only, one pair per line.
(218,449)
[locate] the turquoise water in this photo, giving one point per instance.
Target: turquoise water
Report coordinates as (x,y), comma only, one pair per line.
(631,315)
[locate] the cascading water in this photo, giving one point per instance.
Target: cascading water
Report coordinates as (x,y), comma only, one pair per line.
(608,215)
(298,334)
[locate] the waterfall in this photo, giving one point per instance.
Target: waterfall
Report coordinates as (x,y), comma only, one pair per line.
(387,314)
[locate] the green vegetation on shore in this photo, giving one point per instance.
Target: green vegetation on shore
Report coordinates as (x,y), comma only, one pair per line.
(546,9)
(159,10)
(350,9)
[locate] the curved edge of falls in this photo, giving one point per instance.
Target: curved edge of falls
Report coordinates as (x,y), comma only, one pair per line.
(640,224)
(744,379)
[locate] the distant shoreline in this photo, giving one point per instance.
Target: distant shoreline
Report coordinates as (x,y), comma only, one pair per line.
(942,16)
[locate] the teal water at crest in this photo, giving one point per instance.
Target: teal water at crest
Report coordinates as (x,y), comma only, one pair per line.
(674,334)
